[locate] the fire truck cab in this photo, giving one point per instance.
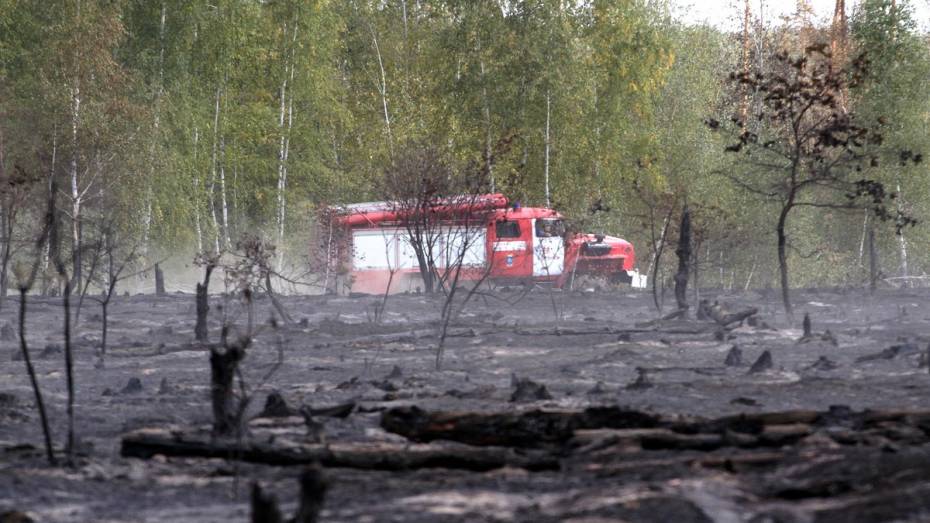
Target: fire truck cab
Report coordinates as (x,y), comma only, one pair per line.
(510,244)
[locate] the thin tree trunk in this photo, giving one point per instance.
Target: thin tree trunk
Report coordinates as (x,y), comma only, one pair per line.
(487,121)
(744,101)
(684,261)
(212,189)
(873,260)
(287,86)
(203,306)
(383,90)
(865,225)
(223,200)
(546,167)
(47,250)
(838,44)
(69,371)
(156,121)
(197,227)
(783,260)
(902,240)
(75,189)
(660,246)
(36,389)
(6,227)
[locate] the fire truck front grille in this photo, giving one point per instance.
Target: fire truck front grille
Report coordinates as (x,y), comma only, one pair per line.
(595,249)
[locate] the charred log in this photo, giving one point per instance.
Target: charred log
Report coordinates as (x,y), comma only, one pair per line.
(367,456)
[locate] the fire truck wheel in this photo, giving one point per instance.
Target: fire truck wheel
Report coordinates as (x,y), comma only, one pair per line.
(621,277)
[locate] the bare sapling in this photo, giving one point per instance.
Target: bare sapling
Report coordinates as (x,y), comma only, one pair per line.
(26,278)
(248,268)
(251,269)
(380,306)
(457,267)
(116,259)
(441,214)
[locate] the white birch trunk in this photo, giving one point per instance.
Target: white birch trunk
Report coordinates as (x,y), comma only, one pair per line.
(197,227)
(546,168)
(223,200)
(487,121)
(46,251)
(382,87)
(902,240)
(75,189)
(287,86)
(149,192)
(865,223)
(212,188)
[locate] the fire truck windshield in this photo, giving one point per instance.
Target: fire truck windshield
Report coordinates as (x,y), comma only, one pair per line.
(549,227)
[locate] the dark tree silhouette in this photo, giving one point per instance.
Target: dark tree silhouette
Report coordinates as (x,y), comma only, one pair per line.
(803,148)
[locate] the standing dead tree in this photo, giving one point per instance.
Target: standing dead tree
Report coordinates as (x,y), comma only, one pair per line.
(61,270)
(246,269)
(416,183)
(224,365)
(443,213)
(250,269)
(26,278)
(115,256)
(209,261)
(802,148)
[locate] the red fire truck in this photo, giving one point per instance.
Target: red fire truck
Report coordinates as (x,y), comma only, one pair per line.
(501,242)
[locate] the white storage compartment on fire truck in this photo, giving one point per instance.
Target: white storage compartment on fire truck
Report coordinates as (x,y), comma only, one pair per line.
(389,248)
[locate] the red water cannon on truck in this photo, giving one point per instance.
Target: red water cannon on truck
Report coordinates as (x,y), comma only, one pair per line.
(494,240)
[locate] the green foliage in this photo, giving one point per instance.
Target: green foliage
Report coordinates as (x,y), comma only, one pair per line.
(188,106)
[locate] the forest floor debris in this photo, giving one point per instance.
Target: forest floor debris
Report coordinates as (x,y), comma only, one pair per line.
(606,414)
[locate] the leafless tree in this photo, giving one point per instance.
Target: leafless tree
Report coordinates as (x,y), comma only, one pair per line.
(443,213)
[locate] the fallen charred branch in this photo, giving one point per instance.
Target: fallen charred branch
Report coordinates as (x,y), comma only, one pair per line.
(540,428)
(723,317)
(513,429)
(147,443)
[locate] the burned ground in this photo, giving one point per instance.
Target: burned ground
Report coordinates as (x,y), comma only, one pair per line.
(688,428)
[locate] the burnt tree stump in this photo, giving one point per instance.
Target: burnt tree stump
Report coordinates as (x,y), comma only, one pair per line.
(312,493)
(264,506)
(203,306)
(159,281)
(223,365)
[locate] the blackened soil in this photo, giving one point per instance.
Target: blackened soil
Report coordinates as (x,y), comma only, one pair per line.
(584,348)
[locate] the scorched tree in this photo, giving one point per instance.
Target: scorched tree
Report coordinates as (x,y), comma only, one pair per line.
(800,147)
